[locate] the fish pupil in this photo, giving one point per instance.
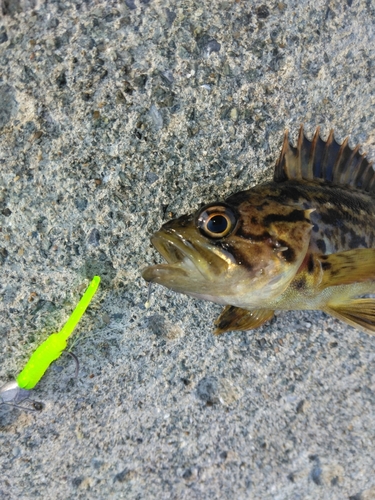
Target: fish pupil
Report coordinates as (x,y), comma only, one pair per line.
(217,224)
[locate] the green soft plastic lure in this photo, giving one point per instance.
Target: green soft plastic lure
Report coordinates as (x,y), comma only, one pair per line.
(51,349)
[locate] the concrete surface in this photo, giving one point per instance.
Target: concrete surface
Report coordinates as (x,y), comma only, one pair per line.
(115,116)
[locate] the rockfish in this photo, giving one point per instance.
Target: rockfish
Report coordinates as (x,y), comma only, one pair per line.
(304,241)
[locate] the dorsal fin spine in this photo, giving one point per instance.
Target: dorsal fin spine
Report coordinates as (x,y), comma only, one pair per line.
(312,153)
(324,160)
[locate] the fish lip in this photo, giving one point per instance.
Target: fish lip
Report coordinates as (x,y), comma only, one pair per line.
(172,246)
(175,249)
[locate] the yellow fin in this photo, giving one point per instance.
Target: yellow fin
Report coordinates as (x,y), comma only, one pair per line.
(344,268)
(235,318)
(359,313)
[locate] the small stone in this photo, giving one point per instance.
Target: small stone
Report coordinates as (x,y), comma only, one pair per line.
(188,474)
(234,114)
(151,177)
(171,16)
(61,80)
(130,4)
(7,212)
(3,35)
(212,46)
(301,406)
(81,204)
(94,238)
(8,104)
(207,390)
(156,117)
(3,255)
(124,476)
(263,12)
(316,475)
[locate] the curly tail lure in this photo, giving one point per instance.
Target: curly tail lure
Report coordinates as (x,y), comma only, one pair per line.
(51,349)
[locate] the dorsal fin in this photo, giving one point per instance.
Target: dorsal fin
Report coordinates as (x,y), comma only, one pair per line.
(325,160)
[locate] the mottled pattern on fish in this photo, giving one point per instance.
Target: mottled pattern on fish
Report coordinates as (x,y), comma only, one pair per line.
(303,241)
(342,219)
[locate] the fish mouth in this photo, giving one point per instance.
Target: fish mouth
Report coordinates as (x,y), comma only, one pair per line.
(185,260)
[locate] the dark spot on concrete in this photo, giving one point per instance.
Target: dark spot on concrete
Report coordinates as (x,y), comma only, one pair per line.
(130,4)
(94,238)
(262,12)
(171,16)
(123,476)
(156,323)
(7,212)
(212,46)
(11,7)
(316,475)
(300,406)
(151,177)
(3,35)
(315,228)
(81,204)
(207,389)
(38,406)
(102,267)
(8,104)
(61,80)
(3,255)
(188,474)
(77,481)
(357,496)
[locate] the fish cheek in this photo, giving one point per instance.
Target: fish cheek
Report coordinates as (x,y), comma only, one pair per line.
(293,238)
(254,258)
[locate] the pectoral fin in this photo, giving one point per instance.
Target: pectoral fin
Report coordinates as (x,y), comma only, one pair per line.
(344,268)
(235,318)
(359,313)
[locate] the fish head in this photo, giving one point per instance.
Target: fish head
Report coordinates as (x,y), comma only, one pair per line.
(240,253)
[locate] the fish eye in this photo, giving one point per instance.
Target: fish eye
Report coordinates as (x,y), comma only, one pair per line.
(216,221)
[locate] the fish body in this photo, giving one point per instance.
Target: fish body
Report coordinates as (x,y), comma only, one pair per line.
(304,241)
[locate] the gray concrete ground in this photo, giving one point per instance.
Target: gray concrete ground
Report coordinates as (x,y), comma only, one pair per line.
(115,116)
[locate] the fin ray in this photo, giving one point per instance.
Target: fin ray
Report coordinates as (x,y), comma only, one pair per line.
(359,313)
(236,318)
(324,160)
(345,268)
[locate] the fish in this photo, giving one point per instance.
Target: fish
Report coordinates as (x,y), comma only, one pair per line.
(302,241)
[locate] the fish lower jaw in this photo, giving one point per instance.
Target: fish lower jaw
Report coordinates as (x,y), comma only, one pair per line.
(160,272)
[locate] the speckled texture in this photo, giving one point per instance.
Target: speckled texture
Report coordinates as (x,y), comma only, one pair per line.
(115,116)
